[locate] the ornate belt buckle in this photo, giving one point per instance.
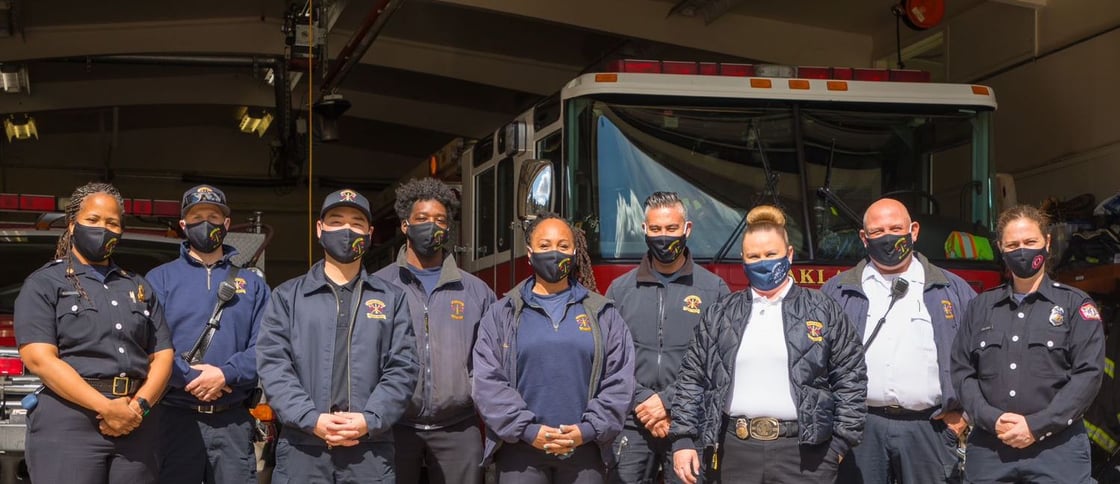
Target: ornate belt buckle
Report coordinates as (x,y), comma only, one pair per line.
(742,430)
(120,386)
(765,428)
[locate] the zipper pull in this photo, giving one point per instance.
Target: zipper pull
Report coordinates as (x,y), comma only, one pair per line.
(715,458)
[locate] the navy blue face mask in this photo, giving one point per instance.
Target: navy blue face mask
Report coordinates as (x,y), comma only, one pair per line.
(344,245)
(205,237)
(766,275)
(94,243)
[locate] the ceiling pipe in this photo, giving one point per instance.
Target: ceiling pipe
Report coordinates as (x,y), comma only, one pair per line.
(178,60)
(351,54)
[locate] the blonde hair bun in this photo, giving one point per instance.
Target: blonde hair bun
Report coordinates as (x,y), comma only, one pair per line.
(766,215)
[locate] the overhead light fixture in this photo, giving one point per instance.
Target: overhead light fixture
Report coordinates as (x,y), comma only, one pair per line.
(13,79)
(20,126)
(328,110)
(255,121)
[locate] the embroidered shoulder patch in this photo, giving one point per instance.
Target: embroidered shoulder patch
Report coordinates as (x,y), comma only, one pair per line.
(1089,312)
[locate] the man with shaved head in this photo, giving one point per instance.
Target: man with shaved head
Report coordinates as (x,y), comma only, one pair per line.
(907,311)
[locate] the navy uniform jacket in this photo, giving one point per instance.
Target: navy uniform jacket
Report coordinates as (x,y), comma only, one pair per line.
(445,325)
(1042,359)
(109,334)
(296,346)
(662,320)
(189,291)
(945,294)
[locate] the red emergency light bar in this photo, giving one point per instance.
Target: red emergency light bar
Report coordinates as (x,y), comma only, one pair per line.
(634,66)
(48,203)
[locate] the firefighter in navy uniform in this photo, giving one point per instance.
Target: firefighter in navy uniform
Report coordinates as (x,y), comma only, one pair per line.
(1027,362)
(95,334)
(660,301)
(336,358)
(207,430)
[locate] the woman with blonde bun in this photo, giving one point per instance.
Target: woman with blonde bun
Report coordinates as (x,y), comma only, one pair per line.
(772,388)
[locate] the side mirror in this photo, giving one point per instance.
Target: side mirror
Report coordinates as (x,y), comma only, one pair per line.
(534,189)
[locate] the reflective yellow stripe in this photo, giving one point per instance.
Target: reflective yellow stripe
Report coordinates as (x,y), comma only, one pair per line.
(1109,367)
(1100,437)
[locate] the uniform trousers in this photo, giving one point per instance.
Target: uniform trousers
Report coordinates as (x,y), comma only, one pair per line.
(211,448)
(367,462)
(65,445)
(904,447)
(778,461)
(1061,458)
(451,453)
(641,456)
(521,463)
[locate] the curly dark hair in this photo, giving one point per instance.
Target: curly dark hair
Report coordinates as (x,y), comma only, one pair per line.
(419,189)
(583,271)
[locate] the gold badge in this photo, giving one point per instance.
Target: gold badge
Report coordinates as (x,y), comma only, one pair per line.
(742,429)
(140,292)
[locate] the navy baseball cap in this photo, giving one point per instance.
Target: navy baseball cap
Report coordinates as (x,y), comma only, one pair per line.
(204,194)
(346,198)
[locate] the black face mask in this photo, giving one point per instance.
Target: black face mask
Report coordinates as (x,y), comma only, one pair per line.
(426,239)
(552,266)
(205,237)
(890,250)
(94,243)
(344,245)
(666,248)
(1025,263)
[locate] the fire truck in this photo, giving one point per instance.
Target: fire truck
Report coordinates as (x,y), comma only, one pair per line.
(822,143)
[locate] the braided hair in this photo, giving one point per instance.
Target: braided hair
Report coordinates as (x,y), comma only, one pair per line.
(65,243)
(583,272)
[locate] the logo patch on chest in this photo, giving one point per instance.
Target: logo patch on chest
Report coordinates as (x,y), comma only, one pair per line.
(240,283)
(947,305)
(584,323)
(815,329)
(375,309)
(457,307)
(692,304)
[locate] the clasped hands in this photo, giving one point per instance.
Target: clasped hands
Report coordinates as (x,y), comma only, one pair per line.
(1012,429)
(341,429)
(119,417)
(560,442)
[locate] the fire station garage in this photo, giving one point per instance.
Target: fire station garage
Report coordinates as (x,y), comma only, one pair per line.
(959,109)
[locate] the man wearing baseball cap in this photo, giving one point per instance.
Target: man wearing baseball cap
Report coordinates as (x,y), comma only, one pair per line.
(206,433)
(351,334)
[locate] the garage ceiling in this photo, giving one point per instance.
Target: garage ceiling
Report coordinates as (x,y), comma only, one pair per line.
(439,69)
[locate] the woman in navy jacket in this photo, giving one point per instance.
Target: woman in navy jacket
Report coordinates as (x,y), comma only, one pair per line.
(553,368)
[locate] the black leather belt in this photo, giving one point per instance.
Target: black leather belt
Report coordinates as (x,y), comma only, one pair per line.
(118,386)
(895,411)
(761,428)
(207,408)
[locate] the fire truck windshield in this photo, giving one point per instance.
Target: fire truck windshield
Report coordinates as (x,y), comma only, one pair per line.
(723,160)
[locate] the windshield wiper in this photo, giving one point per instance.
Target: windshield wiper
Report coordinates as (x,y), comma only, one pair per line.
(825,192)
(771,190)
